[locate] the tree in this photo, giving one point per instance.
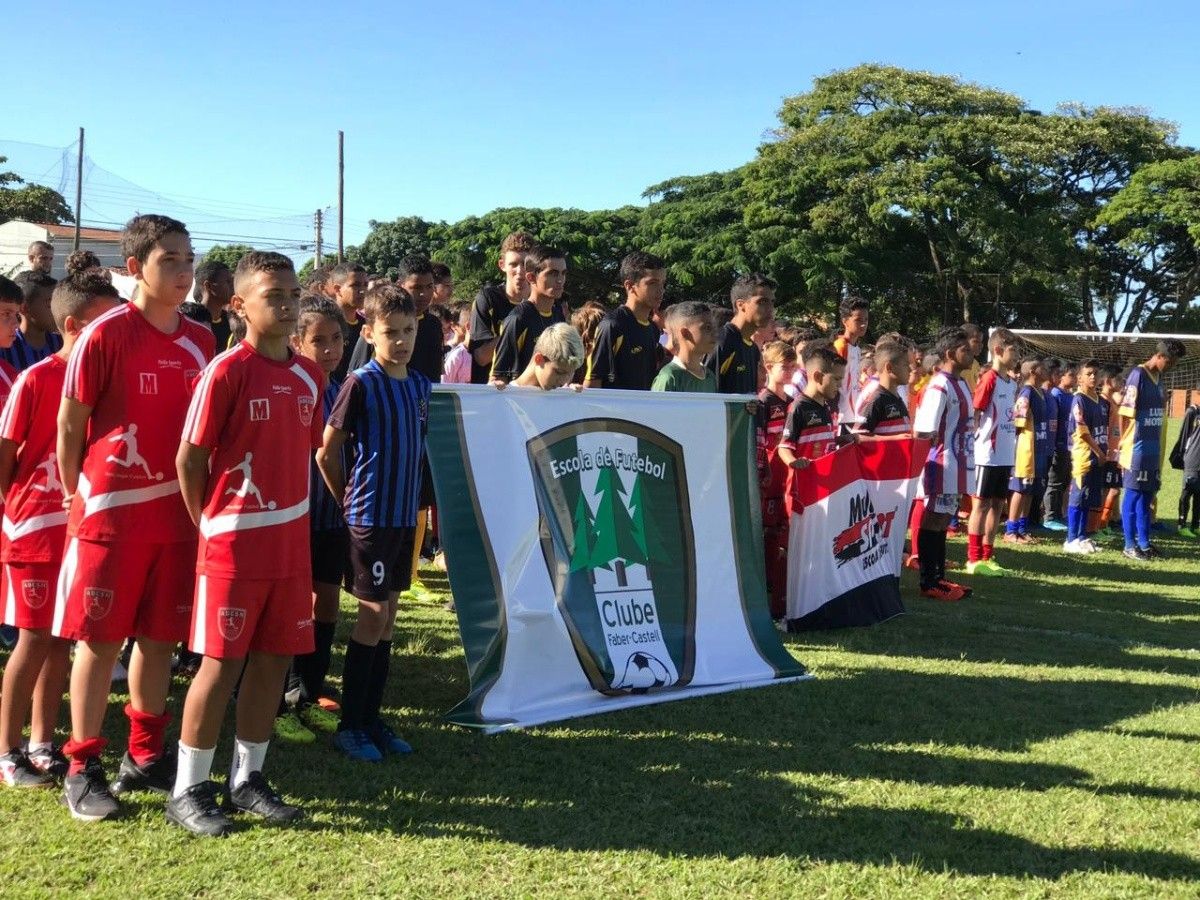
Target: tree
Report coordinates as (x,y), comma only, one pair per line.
(581,548)
(31,202)
(389,242)
(230,254)
(613,526)
(327,259)
(1155,220)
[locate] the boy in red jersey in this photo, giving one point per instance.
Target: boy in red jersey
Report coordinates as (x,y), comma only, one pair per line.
(128,569)
(11,299)
(35,529)
(779,357)
(243,469)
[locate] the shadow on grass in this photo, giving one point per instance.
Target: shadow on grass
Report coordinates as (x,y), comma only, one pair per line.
(720,776)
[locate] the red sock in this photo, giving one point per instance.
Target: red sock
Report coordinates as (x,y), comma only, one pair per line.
(145,734)
(974,547)
(80,752)
(987,551)
(914,523)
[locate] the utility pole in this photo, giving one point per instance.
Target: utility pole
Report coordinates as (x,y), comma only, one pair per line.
(317,222)
(78,190)
(341,194)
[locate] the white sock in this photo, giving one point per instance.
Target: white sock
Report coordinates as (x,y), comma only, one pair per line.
(40,746)
(195,765)
(248,757)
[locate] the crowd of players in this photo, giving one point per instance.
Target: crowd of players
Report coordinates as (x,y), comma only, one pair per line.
(216,478)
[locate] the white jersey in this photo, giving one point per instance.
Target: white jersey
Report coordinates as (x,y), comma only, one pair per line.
(851,381)
(945,413)
(995,436)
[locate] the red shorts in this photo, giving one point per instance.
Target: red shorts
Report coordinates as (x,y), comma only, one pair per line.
(108,592)
(234,616)
(28,591)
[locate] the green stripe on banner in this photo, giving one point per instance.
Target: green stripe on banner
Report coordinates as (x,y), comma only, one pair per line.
(745,506)
(470,561)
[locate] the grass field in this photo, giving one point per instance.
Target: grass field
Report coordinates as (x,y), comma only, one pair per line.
(1041,738)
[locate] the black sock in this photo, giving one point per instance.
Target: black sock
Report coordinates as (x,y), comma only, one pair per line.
(313,667)
(356,678)
(379,677)
(927,554)
(941,556)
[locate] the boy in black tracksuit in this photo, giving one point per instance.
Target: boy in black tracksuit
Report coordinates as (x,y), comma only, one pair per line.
(1189,446)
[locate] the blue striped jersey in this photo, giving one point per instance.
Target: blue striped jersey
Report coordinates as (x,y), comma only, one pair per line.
(385,419)
(21,355)
(324,512)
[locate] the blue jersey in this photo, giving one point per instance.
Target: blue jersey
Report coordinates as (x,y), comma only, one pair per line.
(386,419)
(1088,418)
(1062,413)
(21,355)
(1141,438)
(324,512)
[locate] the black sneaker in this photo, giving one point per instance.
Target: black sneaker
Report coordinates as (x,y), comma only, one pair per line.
(196,810)
(52,762)
(87,796)
(19,772)
(1136,553)
(158,776)
(1154,553)
(257,797)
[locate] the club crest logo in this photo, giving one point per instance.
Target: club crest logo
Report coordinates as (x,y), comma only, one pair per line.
(616,533)
(866,537)
(230,622)
(97,602)
(307,405)
(35,592)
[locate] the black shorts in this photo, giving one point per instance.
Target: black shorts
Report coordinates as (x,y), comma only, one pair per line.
(1112,475)
(331,556)
(991,482)
(380,561)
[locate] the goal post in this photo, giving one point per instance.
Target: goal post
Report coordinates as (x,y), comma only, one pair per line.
(1123,349)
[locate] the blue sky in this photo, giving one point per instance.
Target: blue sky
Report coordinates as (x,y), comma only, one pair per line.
(456,108)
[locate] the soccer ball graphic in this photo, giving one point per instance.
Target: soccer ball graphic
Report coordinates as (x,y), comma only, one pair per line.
(642,673)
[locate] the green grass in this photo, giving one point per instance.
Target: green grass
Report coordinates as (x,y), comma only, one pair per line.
(1041,738)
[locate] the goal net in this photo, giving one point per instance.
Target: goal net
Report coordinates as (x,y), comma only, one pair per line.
(1119,349)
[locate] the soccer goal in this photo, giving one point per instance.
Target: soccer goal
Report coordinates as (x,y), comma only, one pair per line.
(1117,348)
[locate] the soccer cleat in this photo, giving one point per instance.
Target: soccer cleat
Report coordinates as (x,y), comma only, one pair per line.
(992,568)
(1011,537)
(1186,532)
(966,591)
(87,795)
(157,776)
(419,593)
(1153,552)
(19,772)
(387,740)
(289,729)
(1054,525)
(944,593)
(196,810)
(329,704)
(1026,538)
(51,761)
(256,797)
(357,745)
(1136,553)
(317,718)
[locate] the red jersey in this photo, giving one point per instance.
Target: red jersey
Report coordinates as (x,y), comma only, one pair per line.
(137,381)
(809,434)
(35,523)
(261,419)
(772,413)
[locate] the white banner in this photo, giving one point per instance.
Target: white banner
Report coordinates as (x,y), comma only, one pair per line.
(604,549)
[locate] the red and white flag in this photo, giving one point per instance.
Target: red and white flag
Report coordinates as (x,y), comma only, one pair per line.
(845,545)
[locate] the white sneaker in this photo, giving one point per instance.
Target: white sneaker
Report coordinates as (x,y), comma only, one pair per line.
(1087,545)
(1074,547)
